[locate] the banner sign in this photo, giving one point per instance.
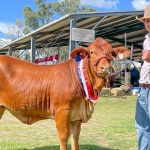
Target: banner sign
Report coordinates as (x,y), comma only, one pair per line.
(47,60)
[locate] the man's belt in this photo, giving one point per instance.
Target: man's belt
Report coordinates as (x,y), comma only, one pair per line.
(145,86)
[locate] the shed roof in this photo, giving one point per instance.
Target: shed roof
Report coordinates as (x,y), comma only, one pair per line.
(112,27)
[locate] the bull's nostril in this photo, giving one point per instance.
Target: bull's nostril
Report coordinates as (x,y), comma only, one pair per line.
(103,68)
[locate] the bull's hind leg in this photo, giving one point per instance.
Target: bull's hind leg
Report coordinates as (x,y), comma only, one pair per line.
(62,123)
(75,128)
(2,109)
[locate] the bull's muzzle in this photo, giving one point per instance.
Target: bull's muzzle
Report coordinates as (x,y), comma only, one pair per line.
(105,72)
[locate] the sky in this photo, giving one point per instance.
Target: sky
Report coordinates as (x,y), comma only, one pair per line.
(11,10)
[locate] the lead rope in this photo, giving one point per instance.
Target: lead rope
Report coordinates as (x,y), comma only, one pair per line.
(138,58)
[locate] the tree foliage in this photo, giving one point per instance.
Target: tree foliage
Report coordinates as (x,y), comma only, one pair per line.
(31,21)
(71,6)
(46,11)
(19,24)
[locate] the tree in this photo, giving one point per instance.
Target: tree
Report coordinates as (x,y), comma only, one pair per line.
(31,20)
(14,31)
(46,11)
(71,6)
(19,24)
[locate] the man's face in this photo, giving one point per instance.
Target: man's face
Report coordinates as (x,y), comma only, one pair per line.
(147,24)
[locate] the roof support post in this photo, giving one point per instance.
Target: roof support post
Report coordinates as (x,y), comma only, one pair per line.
(132,48)
(72,44)
(10,51)
(33,47)
(125,39)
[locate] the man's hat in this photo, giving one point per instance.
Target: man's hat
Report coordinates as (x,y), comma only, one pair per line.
(146,14)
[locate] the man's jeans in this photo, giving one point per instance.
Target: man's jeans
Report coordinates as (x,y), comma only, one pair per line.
(143,119)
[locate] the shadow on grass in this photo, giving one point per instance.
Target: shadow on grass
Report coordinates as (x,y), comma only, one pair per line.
(82,147)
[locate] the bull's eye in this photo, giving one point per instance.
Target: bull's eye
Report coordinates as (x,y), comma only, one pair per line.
(92,52)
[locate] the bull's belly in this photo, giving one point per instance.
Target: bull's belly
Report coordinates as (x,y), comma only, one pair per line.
(27,113)
(30,116)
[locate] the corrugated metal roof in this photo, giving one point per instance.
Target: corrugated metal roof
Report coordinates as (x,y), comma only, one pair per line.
(112,28)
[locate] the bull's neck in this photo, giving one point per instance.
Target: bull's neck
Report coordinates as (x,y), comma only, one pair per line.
(89,71)
(97,82)
(87,79)
(75,79)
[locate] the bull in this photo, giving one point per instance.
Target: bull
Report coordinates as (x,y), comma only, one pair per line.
(66,92)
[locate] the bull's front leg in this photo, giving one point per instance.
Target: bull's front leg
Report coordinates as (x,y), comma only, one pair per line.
(2,109)
(62,119)
(75,128)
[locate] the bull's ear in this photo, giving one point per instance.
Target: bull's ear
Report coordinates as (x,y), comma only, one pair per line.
(121,52)
(81,52)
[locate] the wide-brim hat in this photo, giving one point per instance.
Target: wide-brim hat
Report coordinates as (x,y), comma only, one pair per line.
(146,13)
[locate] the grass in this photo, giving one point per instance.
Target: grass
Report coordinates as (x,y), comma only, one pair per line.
(111,127)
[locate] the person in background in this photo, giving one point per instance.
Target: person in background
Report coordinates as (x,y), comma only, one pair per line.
(135,75)
(142,115)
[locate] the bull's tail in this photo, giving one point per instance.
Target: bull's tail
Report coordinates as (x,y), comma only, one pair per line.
(2,109)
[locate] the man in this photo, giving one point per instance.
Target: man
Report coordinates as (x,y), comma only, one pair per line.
(143,101)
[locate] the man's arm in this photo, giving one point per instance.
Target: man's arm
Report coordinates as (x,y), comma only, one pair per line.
(146,55)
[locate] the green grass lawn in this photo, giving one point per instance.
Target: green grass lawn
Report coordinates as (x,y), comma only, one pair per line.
(112,127)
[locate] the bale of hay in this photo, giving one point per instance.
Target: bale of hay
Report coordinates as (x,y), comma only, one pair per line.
(117,92)
(105,92)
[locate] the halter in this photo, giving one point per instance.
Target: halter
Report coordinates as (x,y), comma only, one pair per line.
(96,63)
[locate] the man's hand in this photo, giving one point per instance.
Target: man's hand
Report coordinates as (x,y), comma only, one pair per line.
(146,55)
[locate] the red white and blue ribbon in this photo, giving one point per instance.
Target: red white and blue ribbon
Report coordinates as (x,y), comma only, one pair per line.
(88,89)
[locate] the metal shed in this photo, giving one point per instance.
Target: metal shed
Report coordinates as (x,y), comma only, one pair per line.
(119,28)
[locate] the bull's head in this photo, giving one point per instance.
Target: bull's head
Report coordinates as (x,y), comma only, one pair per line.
(99,58)
(99,55)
